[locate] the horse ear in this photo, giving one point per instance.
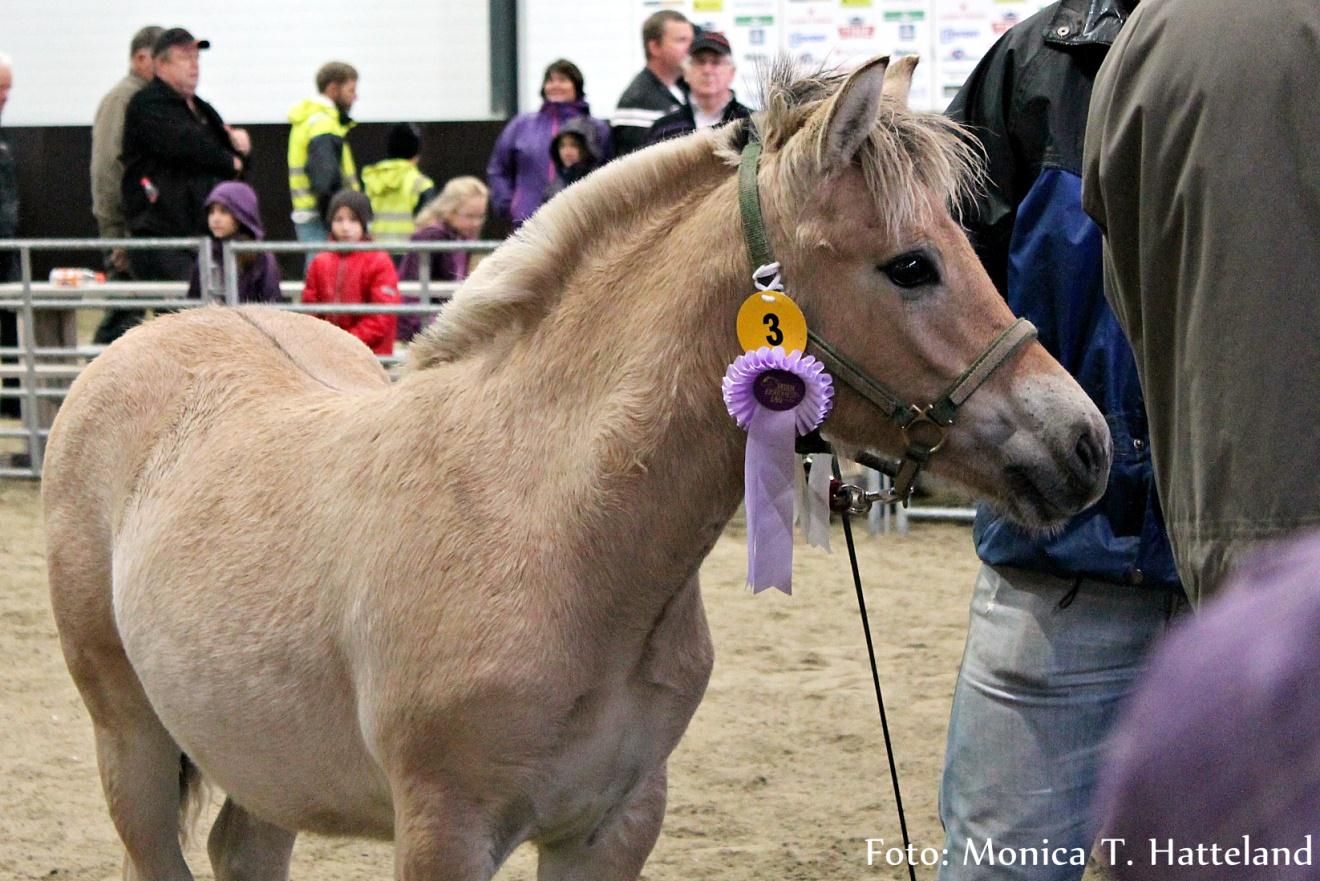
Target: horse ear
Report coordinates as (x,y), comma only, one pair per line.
(898,79)
(851,115)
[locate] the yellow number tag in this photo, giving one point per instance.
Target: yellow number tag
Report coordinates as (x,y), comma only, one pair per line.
(770,318)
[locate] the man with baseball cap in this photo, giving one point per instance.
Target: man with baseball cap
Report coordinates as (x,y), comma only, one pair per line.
(177,37)
(176,148)
(709,74)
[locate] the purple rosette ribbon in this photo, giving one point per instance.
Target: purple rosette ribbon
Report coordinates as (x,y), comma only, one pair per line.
(775,396)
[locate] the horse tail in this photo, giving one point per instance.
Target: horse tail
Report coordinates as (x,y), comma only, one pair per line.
(194,795)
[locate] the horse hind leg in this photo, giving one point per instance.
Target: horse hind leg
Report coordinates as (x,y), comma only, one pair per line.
(146,779)
(244,848)
(618,849)
(144,774)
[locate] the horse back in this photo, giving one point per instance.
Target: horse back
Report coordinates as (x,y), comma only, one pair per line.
(142,393)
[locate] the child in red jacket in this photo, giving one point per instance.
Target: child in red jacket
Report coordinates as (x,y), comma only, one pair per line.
(354,276)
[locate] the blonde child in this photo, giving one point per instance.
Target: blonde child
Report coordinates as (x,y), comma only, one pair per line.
(457,214)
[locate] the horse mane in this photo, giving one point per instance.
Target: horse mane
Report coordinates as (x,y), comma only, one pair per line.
(519,283)
(915,163)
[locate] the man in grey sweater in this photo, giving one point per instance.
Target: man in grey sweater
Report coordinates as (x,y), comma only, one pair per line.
(107,143)
(108,167)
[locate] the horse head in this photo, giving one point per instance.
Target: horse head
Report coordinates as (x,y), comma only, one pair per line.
(857,194)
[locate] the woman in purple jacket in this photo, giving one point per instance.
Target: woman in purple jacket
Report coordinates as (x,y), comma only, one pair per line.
(232,213)
(520,167)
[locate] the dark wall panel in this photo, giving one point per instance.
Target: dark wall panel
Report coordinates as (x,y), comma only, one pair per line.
(55,184)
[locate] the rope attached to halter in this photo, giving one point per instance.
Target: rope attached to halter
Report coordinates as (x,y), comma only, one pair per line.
(875,678)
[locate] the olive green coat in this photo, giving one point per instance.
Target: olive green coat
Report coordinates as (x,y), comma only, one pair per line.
(1202,166)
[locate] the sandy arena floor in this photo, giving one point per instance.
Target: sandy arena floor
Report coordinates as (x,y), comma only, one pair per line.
(782,774)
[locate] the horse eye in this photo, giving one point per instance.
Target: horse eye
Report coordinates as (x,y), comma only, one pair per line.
(911,270)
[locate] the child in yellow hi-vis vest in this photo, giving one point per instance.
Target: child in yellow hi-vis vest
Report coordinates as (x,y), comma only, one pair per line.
(395,186)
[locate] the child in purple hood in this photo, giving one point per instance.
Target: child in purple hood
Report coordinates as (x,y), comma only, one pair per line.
(232,214)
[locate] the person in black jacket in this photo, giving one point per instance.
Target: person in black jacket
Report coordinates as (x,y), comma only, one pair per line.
(711,101)
(176,149)
(1061,621)
(8,183)
(659,88)
(8,229)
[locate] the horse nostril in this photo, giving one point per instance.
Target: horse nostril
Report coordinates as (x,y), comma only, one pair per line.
(1090,454)
(1086,451)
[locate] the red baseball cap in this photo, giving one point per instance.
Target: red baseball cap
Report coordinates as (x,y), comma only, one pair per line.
(711,41)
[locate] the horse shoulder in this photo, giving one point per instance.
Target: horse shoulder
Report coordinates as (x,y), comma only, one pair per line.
(679,653)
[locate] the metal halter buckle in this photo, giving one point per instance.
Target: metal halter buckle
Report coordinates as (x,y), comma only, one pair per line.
(924,424)
(847,498)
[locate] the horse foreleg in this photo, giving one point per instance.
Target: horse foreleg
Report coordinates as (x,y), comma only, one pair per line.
(243,848)
(440,835)
(616,850)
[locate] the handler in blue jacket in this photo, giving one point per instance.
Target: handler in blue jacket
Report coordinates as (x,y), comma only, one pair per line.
(1061,621)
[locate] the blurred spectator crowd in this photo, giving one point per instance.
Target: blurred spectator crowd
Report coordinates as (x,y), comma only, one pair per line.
(165,164)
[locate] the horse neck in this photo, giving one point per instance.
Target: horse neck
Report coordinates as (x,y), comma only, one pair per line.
(624,373)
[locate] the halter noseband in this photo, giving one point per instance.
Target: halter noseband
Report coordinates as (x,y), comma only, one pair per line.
(924,428)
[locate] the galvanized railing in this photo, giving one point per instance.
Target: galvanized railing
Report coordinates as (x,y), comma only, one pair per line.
(46,370)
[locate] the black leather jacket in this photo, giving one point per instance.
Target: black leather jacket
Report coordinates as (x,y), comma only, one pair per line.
(172,159)
(8,210)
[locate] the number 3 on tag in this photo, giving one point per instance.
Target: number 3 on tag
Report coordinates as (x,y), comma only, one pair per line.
(770,318)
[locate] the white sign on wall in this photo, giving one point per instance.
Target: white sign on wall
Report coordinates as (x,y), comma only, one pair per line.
(950,36)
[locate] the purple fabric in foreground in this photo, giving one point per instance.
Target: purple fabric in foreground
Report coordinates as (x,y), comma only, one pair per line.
(1220,748)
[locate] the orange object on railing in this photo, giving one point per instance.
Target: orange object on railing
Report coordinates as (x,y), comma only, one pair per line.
(73,277)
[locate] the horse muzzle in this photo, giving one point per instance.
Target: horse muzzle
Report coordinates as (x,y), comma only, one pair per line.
(1051,478)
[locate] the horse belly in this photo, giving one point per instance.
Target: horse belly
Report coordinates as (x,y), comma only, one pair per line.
(615,745)
(261,707)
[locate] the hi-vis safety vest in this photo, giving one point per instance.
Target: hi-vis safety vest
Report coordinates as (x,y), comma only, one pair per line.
(310,119)
(394,186)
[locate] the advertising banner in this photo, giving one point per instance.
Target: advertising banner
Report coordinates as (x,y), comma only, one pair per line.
(950,36)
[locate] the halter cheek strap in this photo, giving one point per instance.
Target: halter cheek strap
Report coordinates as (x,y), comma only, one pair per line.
(924,428)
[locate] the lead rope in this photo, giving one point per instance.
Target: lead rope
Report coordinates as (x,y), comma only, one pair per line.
(875,678)
(764,266)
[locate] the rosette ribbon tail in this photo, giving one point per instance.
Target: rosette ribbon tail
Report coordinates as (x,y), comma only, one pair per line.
(815,515)
(775,396)
(768,472)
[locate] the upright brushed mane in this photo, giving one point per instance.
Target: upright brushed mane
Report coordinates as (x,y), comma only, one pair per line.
(914,162)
